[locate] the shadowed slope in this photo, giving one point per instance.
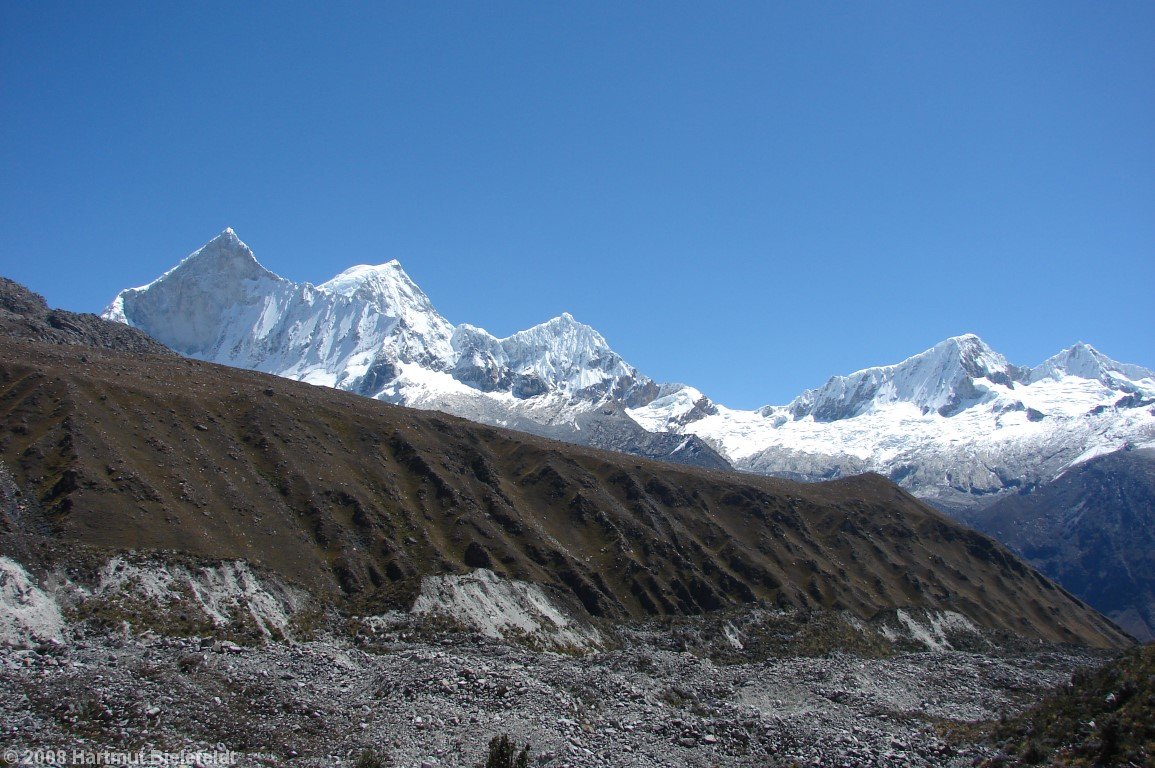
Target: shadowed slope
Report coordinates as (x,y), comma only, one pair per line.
(1092,530)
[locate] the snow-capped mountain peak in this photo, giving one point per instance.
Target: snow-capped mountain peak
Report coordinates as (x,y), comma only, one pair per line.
(944,378)
(370,329)
(975,356)
(564,350)
(391,293)
(673,407)
(949,362)
(560,353)
(370,280)
(562,338)
(224,258)
(956,423)
(1085,362)
(182,307)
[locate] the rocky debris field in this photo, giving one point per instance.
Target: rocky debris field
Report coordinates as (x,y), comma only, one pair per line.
(427,699)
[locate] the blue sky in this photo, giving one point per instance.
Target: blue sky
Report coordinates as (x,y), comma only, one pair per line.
(748,197)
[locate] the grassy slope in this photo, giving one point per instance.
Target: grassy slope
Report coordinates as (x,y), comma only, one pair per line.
(348,495)
(1103,717)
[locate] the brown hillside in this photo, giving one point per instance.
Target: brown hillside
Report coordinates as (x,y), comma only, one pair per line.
(349,495)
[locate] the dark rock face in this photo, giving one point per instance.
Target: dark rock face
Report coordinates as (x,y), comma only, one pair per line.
(1093,531)
(476,556)
(610,428)
(378,375)
(18,300)
(487,377)
(25,315)
(525,386)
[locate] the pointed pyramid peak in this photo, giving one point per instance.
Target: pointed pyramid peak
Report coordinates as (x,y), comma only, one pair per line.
(1083,361)
(182,307)
(565,323)
(226,236)
(225,258)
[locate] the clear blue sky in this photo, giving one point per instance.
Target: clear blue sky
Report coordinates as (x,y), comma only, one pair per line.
(748,197)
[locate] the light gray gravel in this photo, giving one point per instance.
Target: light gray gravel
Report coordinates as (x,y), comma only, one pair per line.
(437,702)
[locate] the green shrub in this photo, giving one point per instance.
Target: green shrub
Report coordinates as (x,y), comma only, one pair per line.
(369,759)
(502,753)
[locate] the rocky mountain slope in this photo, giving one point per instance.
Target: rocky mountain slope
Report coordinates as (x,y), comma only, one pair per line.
(357,500)
(372,331)
(957,425)
(1093,530)
(26,315)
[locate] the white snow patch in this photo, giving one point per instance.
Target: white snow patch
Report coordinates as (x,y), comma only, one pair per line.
(28,615)
(501,608)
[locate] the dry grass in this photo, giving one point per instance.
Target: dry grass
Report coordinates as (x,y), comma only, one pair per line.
(355,500)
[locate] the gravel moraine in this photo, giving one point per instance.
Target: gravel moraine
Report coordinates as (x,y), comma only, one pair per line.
(437,702)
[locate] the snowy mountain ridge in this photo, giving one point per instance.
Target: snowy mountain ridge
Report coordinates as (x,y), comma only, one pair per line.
(1085,362)
(560,353)
(944,378)
(355,331)
(957,424)
(373,331)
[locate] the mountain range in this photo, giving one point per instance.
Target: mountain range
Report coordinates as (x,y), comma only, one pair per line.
(372,331)
(197,555)
(957,425)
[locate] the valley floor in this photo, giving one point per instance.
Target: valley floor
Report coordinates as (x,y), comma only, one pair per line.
(437,701)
